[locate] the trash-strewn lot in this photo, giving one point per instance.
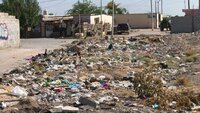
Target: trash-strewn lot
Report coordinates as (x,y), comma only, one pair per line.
(145,73)
(13,57)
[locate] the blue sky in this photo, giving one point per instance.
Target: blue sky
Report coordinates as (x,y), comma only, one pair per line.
(171,7)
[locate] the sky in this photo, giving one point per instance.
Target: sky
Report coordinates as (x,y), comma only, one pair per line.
(171,7)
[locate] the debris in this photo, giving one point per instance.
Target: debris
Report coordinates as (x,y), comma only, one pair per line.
(196,108)
(70,109)
(65,109)
(94,75)
(110,47)
(19,91)
(87,101)
(155,106)
(3,105)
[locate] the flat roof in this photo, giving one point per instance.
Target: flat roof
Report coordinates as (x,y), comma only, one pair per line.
(56,18)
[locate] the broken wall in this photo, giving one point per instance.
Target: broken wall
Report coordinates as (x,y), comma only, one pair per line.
(181,24)
(9,31)
(186,24)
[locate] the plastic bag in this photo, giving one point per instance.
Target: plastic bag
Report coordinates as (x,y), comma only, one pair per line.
(19,91)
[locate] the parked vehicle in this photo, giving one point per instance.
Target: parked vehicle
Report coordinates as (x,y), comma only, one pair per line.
(165,24)
(123,28)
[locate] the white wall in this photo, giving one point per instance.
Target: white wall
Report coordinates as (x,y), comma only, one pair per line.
(9,31)
(105,19)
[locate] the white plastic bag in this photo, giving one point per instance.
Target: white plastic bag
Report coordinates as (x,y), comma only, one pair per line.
(19,91)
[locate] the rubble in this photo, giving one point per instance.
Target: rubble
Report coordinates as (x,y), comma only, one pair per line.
(65,109)
(131,74)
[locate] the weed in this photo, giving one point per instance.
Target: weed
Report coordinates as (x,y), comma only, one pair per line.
(184,81)
(147,85)
(192,58)
(190,52)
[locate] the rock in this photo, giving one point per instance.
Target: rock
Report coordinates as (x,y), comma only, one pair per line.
(70,109)
(87,101)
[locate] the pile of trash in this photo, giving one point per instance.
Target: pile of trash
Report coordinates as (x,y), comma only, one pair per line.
(146,73)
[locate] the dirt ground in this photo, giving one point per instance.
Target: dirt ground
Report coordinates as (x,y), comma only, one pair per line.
(13,57)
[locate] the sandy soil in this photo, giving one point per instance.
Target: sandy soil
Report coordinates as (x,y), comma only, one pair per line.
(13,57)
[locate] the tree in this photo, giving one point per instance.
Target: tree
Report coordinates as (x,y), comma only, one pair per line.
(27,11)
(84,7)
(118,10)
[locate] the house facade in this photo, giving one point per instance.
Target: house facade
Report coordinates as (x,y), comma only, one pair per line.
(139,21)
(67,26)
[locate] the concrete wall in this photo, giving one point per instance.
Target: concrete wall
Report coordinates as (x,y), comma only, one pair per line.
(105,19)
(9,31)
(196,23)
(186,24)
(181,24)
(137,21)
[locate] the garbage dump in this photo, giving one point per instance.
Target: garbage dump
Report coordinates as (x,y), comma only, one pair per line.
(145,73)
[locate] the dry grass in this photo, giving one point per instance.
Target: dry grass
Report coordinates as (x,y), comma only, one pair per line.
(193,58)
(147,85)
(191,55)
(190,52)
(184,81)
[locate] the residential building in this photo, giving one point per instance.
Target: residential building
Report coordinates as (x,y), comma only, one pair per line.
(139,21)
(66,26)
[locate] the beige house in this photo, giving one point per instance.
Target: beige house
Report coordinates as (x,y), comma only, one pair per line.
(139,21)
(92,19)
(66,26)
(56,26)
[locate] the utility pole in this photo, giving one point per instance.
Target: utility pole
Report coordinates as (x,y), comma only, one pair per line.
(156,11)
(185,4)
(155,6)
(101,18)
(199,4)
(193,18)
(113,16)
(188,4)
(79,21)
(161,6)
(158,7)
(152,23)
